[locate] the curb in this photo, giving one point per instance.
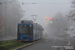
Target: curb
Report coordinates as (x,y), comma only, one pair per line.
(27,45)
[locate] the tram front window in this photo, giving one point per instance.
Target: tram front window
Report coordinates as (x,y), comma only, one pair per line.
(24,29)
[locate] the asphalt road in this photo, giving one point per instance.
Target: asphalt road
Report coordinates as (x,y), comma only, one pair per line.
(49,44)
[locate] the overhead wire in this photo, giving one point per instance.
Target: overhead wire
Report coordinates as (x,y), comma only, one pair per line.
(27,8)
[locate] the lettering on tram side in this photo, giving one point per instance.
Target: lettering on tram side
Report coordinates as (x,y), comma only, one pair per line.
(24,35)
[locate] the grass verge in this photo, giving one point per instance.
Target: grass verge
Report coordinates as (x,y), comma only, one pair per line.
(11,44)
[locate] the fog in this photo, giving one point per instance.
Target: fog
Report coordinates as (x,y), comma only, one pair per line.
(48,8)
(23,9)
(11,13)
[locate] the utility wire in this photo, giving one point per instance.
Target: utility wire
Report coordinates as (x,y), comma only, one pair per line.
(27,8)
(30,11)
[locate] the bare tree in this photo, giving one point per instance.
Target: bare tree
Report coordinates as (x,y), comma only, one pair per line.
(58,24)
(71,14)
(13,15)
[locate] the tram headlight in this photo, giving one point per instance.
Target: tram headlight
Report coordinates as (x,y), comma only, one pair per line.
(18,36)
(30,36)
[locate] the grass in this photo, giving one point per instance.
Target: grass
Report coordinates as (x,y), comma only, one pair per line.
(11,44)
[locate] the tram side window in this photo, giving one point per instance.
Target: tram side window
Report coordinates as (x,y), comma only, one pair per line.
(33,31)
(30,29)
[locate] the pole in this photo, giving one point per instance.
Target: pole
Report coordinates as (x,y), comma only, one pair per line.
(66,30)
(57,27)
(5,19)
(5,16)
(34,18)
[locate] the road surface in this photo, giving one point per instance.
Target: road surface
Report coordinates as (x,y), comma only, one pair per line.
(48,44)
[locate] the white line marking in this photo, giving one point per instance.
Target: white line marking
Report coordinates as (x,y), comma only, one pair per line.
(62,48)
(69,43)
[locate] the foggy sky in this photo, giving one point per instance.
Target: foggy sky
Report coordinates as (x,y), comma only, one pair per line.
(44,8)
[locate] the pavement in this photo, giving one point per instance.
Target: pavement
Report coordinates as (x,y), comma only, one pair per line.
(8,38)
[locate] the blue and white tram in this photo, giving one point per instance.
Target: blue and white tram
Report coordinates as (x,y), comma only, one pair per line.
(29,31)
